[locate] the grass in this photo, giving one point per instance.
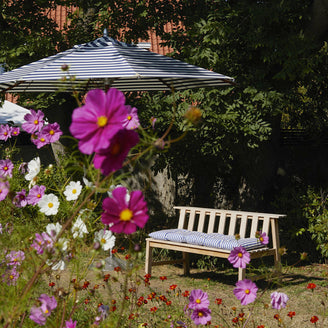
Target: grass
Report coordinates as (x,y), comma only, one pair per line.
(219,284)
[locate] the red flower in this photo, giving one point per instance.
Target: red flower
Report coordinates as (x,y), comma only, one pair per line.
(153,309)
(235,320)
(173,287)
(291,314)
(87,300)
(117,269)
(85,285)
(106,277)
(112,308)
(168,302)
(277,316)
(51,284)
(131,316)
(261,326)
(186,293)
(127,256)
(114,251)
(218,301)
(163,278)
(314,319)
(311,285)
(147,276)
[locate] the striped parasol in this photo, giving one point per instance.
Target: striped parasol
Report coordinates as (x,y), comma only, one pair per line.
(105,63)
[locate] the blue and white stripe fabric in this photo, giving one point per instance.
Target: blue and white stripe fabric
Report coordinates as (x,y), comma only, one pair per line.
(105,63)
(213,240)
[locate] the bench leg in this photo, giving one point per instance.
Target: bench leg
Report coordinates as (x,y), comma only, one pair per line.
(241,274)
(186,267)
(149,258)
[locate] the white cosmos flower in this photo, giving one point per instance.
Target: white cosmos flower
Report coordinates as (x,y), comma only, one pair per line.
(53,229)
(73,190)
(60,265)
(33,168)
(105,238)
(62,244)
(79,228)
(49,204)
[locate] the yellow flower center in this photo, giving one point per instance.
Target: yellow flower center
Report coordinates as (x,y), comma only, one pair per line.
(6,133)
(46,311)
(42,140)
(11,277)
(38,195)
(0,191)
(103,240)
(50,205)
(36,122)
(198,301)
(247,291)
(240,255)
(200,314)
(126,215)
(102,121)
(261,238)
(52,132)
(5,168)
(74,191)
(129,117)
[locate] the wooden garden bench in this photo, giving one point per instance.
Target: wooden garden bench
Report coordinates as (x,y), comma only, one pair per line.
(197,224)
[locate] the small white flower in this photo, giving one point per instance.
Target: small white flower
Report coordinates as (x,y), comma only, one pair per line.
(49,204)
(87,183)
(53,229)
(105,238)
(79,228)
(62,244)
(60,265)
(73,190)
(33,168)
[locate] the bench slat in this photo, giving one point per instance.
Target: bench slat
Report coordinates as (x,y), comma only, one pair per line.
(255,222)
(191,220)
(182,218)
(211,222)
(201,221)
(243,224)
(232,226)
(223,218)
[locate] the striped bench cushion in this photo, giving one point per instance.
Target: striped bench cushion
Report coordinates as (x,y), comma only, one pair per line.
(214,240)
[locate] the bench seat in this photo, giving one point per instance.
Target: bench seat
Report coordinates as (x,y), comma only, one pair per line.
(213,232)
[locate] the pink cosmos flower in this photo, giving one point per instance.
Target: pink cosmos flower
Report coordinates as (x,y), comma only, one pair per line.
(40,139)
(125,214)
(239,257)
(6,168)
(70,323)
(95,123)
(263,238)
(52,132)
(278,300)
(245,291)
(34,121)
(35,194)
(198,300)
(201,316)
(15,258)
(40,314)
(20,199)
(112,158)
(10,276)
(131,121)
(5,132)
(15,131)
(4,189)
(42,242)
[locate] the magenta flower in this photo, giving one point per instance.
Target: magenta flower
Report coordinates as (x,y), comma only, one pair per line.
(35,194)
(6,168)
(125,214)
(70,323)
(5,132)
(278,300)
(95,123)
(42,242)
(15,131)
(34,121)
(239,257)
(201,316)
(112,158)
(131,121)
(15,258)
(40,314)
(4,189)
(40,139)
(198,300)
(245,291)
(10,276)
(263,238)
(20,199)
(52,132)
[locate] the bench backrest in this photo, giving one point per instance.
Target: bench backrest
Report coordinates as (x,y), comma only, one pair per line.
(227,222)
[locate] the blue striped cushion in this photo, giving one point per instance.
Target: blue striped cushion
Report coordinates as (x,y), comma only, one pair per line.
(214,240)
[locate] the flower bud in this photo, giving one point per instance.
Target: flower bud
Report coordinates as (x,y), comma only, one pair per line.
(193,115)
